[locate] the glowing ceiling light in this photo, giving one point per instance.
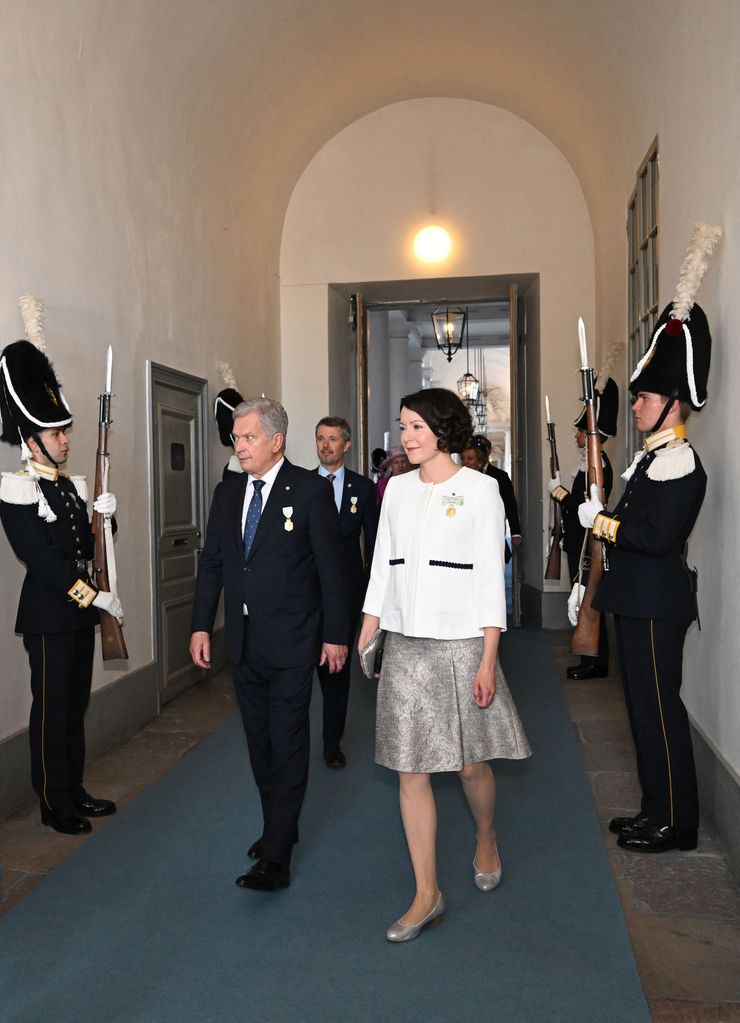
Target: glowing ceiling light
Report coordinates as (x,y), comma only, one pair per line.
(432,244)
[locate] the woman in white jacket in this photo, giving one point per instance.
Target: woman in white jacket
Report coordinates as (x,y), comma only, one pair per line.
(437,588)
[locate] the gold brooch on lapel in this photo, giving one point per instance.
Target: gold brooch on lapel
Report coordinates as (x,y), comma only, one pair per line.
(450,501)
(353,502)
(287,512)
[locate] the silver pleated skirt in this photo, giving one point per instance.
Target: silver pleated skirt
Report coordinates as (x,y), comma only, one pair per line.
(427,720)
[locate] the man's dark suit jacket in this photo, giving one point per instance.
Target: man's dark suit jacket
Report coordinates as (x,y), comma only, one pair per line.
(506,489)
(363,521)
(294,582)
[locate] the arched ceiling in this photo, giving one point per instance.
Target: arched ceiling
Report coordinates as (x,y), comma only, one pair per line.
(261,85)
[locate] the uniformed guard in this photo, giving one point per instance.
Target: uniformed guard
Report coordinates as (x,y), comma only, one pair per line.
(649,586)
(223,414)
(574,535)
(44,515)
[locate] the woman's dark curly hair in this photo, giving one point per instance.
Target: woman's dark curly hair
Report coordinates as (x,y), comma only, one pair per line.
(445,414)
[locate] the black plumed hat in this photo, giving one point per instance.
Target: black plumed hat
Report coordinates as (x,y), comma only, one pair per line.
(31,397)
(677,360)
(607,409)
(676,363)
(223,412)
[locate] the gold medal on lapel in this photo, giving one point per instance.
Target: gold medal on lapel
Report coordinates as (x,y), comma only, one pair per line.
(353,502)
(451,513)
(288,525)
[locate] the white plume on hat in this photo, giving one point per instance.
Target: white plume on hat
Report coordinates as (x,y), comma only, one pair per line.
(704,238)
(227,374)
(32,313)
(609,364)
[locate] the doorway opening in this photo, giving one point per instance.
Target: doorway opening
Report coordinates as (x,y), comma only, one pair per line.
(395,353)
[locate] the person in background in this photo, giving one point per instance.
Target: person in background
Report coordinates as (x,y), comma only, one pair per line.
(477,456)
(223,414)
(354,496)
(394,464)
(377,458)
(607,411)
(437,588)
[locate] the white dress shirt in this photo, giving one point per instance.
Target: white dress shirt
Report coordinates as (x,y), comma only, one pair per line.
(337,483)
(268,479)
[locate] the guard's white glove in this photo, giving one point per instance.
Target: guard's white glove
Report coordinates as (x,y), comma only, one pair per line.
(555,483)
(574,603)
(105,505)
(109,602)
(588,511)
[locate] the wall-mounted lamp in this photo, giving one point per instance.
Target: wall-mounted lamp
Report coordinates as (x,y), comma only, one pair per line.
(432,244)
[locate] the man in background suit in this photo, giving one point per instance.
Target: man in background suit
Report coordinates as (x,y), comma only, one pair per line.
(354,496)
(273,545)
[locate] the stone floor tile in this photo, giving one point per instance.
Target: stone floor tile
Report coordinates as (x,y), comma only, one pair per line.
(680,883)
(592,732)
(587,705)
(686,959)
(166,743)
(616,793)
(610,756)
(665,1010)
(30,847)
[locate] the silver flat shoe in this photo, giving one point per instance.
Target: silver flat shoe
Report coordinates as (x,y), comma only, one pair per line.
(407,932)
(486,881)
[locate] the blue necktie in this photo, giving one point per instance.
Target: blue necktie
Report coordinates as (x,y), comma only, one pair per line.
(253,516)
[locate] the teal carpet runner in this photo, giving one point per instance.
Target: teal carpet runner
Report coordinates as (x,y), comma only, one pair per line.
(145,925)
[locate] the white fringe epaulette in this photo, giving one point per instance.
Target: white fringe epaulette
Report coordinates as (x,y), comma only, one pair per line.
(80,485)
(672,462)
(21,488)
(234,464)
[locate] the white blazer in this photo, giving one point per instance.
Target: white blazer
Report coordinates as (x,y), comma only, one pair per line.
(438,566)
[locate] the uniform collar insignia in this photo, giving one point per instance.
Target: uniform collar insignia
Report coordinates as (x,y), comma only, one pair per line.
(667,436)
(44,472)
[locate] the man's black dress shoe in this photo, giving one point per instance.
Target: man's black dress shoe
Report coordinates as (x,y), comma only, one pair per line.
(652,838)
(333,756)
(254,852)
(85,804)
(584,672)
(628,825)
(265,877)
(67,822)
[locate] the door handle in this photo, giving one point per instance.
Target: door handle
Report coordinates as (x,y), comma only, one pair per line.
(180,541)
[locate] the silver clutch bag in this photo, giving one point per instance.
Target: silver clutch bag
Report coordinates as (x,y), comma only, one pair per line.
(371,656)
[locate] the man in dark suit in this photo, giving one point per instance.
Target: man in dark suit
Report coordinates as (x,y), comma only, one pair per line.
(273,545)
(354,496)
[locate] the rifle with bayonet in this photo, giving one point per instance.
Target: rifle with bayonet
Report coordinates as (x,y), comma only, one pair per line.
(552,571)
(585,639)
(112,642)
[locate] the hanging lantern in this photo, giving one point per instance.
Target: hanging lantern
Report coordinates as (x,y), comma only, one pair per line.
(449,325)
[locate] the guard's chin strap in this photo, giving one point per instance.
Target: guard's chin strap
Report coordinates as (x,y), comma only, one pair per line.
(37,438)
(666,409)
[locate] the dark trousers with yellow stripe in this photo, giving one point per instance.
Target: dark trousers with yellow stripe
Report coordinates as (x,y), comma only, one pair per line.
(651,656)
(61,674)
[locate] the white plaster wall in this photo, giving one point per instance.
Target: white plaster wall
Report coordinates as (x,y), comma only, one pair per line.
(509,198)
(110,216)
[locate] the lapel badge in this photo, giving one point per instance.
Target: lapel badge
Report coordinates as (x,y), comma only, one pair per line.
(353,502)
(288,525)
